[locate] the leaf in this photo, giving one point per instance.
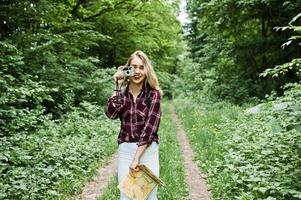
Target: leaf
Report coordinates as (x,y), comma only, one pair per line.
(295,18)
(52,192)
(262,189)
(286,44)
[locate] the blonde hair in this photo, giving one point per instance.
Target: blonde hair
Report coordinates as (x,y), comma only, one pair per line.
(151,77)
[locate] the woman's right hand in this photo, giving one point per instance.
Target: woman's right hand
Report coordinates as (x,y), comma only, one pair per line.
(118,76)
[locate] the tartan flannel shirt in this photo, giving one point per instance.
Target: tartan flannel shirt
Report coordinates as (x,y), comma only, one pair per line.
(139,122)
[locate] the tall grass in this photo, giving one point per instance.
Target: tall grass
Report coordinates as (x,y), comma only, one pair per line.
(203,128)
(171,160)
(247,156)
(111,191)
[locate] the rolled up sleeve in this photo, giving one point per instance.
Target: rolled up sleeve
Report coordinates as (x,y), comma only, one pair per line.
(153,120)
(113,110)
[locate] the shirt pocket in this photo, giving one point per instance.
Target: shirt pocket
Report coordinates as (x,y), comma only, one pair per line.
(141,117)
(126,115)
(144,107)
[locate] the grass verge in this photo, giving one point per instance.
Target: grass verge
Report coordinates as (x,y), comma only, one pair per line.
(247,156)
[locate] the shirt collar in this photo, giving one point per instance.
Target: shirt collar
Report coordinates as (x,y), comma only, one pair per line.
(143,91)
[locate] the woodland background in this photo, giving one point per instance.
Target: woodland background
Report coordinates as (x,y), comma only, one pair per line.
(237,61)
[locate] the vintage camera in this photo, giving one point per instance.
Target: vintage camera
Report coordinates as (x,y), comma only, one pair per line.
(128,71)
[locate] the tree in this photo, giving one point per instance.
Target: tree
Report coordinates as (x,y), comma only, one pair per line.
(238,41)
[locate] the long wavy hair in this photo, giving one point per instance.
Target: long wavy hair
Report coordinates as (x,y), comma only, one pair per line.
(151,77)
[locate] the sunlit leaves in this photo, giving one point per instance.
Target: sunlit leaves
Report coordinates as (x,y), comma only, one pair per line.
(295,64)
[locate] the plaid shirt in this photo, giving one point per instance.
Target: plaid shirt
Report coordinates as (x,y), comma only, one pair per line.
(139,121)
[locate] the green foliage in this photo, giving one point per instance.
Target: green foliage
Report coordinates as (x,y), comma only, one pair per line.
(166,83)
(21,94)
(68,46)
(204,80)
(283,69)
(238,40)
(111,192)
(57,61)
(251,154)
(57,159)
(295,64)
(172,170)
(151,27)
(61,61)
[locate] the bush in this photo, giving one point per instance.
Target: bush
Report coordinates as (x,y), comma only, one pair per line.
(249,155)
(56,160)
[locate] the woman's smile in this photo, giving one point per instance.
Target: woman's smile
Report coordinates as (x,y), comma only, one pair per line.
(137,77)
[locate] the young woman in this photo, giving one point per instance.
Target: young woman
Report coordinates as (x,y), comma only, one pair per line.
(138,108)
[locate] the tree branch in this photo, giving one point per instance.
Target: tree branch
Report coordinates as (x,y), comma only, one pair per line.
(119,4)
(74,10)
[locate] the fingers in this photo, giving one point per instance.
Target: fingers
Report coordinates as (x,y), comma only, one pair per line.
(133,172)
(118,76)
(135,169)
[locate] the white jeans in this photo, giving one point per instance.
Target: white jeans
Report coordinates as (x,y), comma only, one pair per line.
(150,158)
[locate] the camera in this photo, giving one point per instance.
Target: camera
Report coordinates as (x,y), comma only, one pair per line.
(128,71)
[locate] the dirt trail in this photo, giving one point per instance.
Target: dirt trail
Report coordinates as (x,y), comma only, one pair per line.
(198,189)
(96,187)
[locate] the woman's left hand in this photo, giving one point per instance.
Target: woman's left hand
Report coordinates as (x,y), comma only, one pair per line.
(134,167)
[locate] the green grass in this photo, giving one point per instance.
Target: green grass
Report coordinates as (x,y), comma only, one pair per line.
(55,161)
(246,156)
(203,126)
(111,191)
(171,164)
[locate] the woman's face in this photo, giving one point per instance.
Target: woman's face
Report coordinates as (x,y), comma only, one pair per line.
(139,71)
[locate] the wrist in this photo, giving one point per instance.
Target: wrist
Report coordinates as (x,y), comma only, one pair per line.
(116,92)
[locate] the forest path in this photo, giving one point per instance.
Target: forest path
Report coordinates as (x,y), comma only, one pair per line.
(198,190)
(96,187)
